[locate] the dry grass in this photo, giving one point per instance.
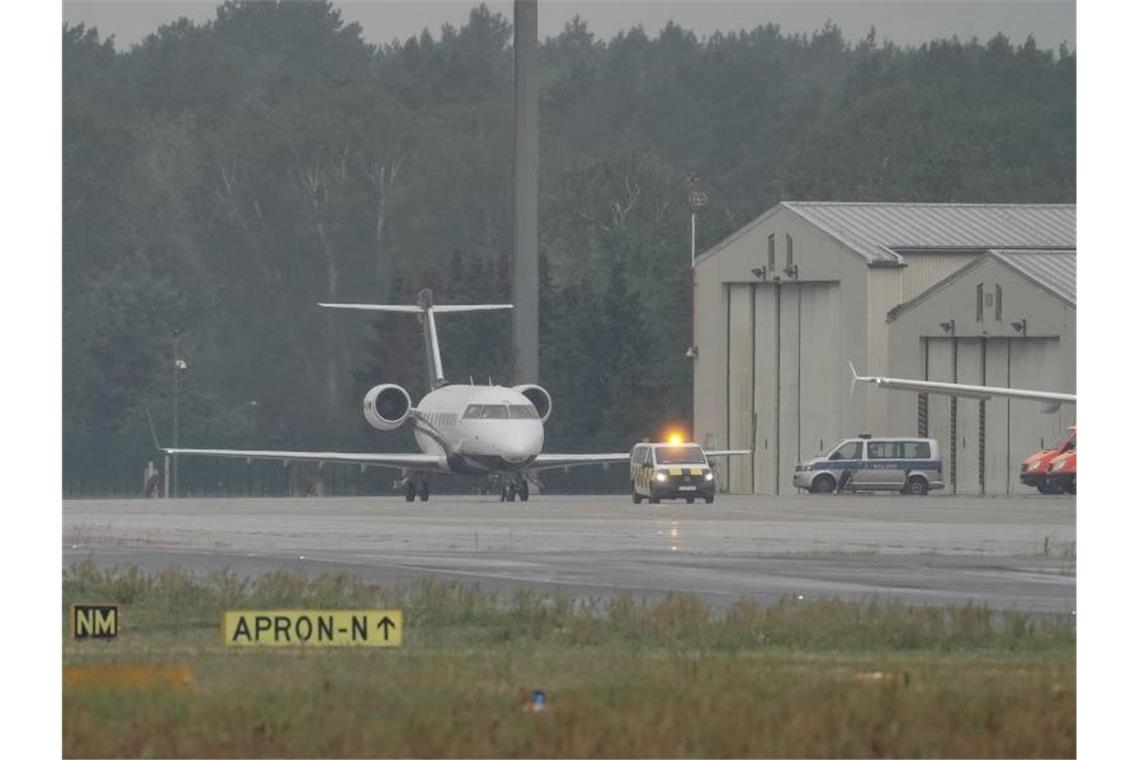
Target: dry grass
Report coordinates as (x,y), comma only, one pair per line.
(624,678)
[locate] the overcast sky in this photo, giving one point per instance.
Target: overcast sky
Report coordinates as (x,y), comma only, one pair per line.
(910,22)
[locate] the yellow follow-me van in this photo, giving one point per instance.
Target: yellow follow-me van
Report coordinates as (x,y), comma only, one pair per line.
(673,470)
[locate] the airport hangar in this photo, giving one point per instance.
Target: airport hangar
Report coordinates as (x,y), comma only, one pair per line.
(968,293)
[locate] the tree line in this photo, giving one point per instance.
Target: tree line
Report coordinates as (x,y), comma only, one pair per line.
(220,179)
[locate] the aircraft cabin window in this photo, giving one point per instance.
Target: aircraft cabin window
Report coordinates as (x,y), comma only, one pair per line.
(474,411)
(495,411)
(523,412)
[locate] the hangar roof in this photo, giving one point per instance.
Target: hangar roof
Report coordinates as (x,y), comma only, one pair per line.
(1054,271)
(882,233)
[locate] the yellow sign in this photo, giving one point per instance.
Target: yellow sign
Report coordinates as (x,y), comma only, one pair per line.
(313,628)
(94,621)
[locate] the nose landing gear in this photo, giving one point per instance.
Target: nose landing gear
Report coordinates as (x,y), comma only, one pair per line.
(413,489)
(510,489)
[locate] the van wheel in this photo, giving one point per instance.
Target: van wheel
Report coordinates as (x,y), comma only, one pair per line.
(823,484)
(1072,487)
(654,500)
(708,500)
(916,486)
(688,499)
(636,495)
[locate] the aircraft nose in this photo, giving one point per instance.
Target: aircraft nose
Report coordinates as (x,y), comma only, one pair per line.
(525,444)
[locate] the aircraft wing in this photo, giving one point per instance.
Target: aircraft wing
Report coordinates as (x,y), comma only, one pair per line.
(968,391)
(417,461)
(550,461)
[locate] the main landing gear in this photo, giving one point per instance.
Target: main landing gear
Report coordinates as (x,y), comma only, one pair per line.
(413,489)
(514,488)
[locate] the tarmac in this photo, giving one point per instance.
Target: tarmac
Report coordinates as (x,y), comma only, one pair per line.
(1009,553)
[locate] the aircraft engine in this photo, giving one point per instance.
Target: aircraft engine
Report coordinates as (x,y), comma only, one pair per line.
(538,396)
(387,406)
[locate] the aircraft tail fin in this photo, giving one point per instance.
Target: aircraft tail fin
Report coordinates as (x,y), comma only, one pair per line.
(426,310)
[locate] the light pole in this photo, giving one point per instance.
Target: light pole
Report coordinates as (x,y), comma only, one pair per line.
(698,199)
(179,366)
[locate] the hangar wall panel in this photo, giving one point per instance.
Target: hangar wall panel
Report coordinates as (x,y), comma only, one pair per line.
(940,367)
(998,454)
(789,425)
(969,355)
(765,467)
(740,385)
(820,383)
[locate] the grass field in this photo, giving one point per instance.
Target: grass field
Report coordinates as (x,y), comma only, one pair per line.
(623,678)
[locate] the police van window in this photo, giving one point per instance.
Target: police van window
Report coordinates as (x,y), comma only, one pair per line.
(522,412)
(881,450)
(474,411)
(849,450)
(680,455)
(916,450)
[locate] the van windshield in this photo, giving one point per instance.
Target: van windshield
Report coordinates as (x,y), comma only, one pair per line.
(849,450)
(680,455)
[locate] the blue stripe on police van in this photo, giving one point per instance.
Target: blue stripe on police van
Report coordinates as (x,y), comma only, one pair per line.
(877,464)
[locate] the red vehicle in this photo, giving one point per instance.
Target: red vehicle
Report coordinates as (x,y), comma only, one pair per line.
(1063,473)
(1035,469)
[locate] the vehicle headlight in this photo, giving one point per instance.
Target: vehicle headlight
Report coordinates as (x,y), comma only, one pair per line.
(661,477)
(1036,465)
(708,476)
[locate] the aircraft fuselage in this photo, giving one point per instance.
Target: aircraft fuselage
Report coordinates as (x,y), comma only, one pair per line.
(478,429)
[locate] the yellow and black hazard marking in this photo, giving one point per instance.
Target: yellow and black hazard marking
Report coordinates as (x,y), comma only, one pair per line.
(309,628)
(643,476)
(94,621)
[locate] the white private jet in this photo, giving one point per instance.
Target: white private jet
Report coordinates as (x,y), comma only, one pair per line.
(1050,400)
(468,429)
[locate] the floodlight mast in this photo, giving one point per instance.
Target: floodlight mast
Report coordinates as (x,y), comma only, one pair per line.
(524,272)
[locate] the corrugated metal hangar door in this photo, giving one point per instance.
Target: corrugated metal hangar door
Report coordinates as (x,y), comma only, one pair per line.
(983,444)
(783,394)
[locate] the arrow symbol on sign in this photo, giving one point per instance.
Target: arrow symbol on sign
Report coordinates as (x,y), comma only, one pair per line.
(385,624)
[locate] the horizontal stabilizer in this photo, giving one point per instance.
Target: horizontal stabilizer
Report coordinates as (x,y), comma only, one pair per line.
(373,307)
(416,309)
(427,309)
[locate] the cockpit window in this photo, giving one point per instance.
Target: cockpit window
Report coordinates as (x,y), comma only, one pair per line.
(500,412)
(680,455)
(523,412)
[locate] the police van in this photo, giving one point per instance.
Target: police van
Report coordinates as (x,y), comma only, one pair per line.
(670,471)
(909,465)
